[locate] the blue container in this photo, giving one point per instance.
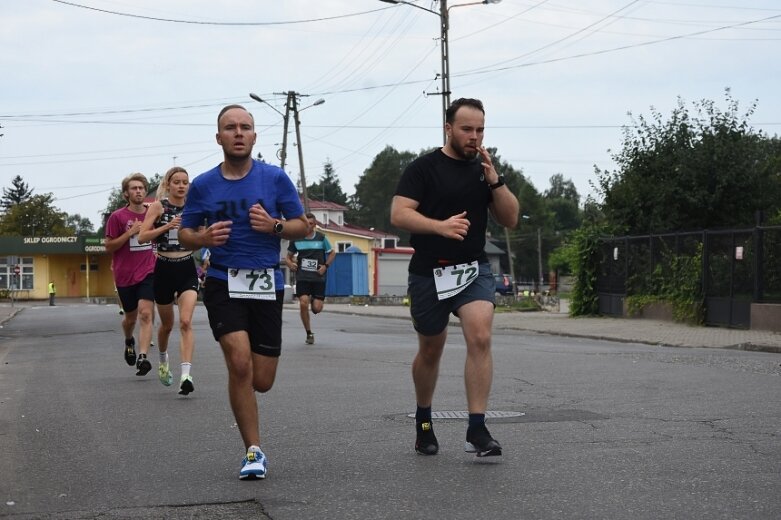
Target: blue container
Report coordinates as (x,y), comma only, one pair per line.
(349,274)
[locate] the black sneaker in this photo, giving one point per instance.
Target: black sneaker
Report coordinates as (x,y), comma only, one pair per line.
(130,351)
(425,441)
(143,365)
(480,442)
(310,338)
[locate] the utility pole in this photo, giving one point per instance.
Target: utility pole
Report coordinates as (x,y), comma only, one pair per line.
(283,155)
(292,99)
(291,105)
(539,256)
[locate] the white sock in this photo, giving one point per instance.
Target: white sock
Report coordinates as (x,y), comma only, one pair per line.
(163,357)
(186,369)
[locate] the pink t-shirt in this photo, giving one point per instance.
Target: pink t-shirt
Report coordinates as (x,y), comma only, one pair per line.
(132,262)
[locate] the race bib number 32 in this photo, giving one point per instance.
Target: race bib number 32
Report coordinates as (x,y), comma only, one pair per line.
(453,279)
(252,284)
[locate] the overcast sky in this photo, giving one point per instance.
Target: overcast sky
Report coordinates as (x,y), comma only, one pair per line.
(93,90)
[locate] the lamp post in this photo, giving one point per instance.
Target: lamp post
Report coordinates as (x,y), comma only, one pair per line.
(444,25)
(283,154)
(539,253)
(292,105)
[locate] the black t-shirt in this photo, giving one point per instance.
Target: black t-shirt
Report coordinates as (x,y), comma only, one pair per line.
(444,187)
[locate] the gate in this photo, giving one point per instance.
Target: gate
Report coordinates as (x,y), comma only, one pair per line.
(739,267)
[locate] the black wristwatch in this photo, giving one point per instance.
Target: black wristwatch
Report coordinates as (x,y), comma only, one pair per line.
(497,184)
(278,228)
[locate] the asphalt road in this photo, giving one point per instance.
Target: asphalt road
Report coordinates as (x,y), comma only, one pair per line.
(602,429)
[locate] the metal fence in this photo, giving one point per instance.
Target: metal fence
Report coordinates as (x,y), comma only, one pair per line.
(735,267)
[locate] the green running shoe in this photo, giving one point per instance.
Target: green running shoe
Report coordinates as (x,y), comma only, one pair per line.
(165,374)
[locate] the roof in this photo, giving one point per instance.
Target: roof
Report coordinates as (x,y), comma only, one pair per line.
(349,229)
(325,205)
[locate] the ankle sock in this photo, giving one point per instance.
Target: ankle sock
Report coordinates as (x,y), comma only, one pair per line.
(186,369)
(163,357)
(423,414)
(476,420)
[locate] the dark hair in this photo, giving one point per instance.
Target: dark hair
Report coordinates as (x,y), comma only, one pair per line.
(230,107)
(450,114)
(310,215)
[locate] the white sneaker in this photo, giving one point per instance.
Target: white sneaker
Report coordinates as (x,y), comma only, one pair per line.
(254,464)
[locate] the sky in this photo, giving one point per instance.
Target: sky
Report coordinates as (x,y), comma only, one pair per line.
(94,90)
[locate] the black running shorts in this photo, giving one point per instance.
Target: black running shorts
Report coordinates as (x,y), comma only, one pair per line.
(143,290)
(261,319)
(173,276)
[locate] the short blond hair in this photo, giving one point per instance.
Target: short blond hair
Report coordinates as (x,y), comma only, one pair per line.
(133,177)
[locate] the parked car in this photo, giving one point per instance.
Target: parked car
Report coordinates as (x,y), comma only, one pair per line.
(504,283)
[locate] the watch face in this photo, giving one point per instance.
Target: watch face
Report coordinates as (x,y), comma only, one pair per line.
(278,228)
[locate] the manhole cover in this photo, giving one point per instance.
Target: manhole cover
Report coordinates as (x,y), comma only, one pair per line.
(452,414)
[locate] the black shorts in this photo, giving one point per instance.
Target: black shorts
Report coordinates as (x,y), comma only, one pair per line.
(315,289)
(173,276)
(143,290)
(430,315)
(261,319)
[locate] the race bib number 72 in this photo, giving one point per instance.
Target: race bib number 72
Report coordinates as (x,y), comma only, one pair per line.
(453,279)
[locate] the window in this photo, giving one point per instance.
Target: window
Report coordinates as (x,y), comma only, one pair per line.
(8,280)
(341,247)
(389,243)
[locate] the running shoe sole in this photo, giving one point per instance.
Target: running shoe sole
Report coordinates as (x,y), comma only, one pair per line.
(143,366)
(186,387)
(491,450)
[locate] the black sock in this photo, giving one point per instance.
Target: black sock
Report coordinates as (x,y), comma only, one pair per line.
(423,414)
(476,420)
(130,342)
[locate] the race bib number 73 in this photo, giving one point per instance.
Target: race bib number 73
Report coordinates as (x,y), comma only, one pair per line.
(252,284)
(453,279)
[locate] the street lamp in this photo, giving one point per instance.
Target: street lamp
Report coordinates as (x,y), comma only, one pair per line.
(539,252)
(444,23)
(283,154)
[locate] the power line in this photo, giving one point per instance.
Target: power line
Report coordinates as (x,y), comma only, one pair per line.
(196,22)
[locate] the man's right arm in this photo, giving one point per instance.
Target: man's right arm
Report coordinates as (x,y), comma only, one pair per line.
(214,235)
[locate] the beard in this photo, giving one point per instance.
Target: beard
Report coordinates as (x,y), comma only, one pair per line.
(462,152)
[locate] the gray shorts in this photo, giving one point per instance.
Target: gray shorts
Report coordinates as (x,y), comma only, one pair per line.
(430,316)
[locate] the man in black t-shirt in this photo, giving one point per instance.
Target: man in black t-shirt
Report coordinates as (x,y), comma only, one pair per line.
(443,199)
(309,258)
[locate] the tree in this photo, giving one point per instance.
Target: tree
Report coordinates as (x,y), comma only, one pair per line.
(562,203)
(707,169)
(79,225)
(35,216)
(18,193)
(328,189)
(370,205)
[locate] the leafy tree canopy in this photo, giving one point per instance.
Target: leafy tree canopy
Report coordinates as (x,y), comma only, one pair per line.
(704,168)
(370,205)
(35,216)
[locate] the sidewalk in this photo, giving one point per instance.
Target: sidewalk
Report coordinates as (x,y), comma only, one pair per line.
(651,332)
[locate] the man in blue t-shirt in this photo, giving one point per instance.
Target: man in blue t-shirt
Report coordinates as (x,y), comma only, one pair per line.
(236,210)
(309,258)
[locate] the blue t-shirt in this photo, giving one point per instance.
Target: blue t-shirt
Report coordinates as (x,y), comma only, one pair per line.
(213,198)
